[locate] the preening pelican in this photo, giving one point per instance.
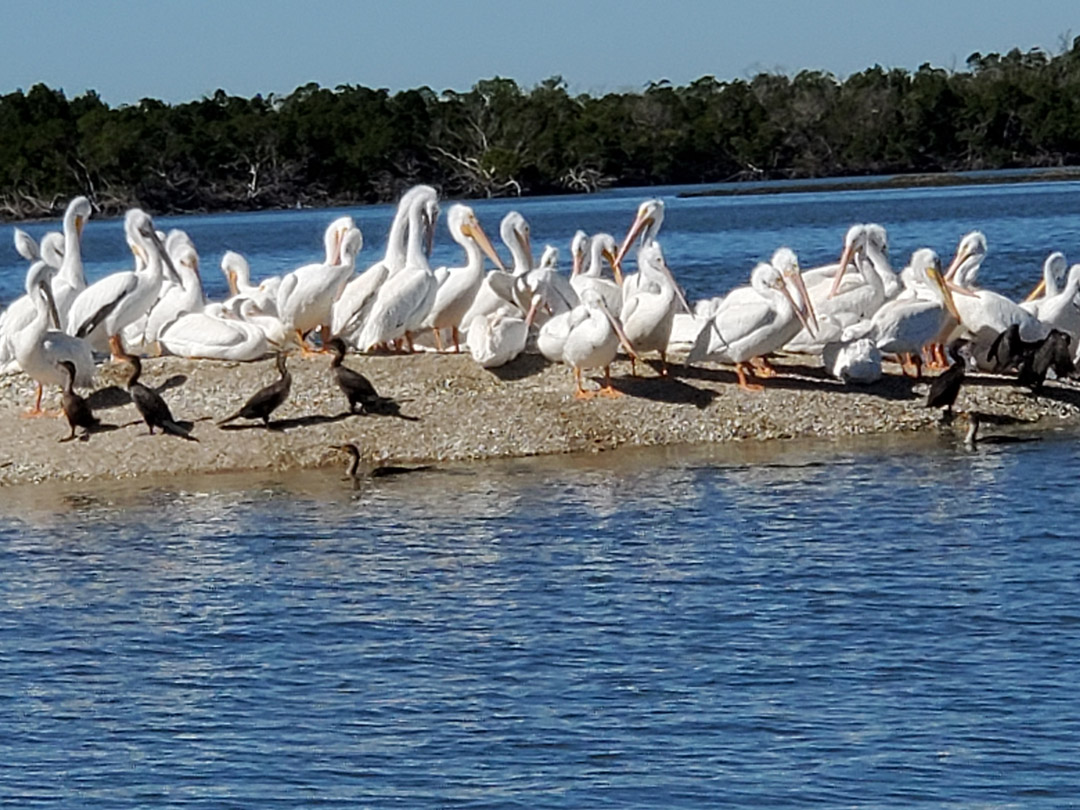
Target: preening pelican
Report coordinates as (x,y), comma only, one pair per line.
(1061,311)
(107,306)
(499,337)
(458,286)
(21,311)
(39,349)
(238,275)
(306,295)
(587,272)
(593,341)
(406,297)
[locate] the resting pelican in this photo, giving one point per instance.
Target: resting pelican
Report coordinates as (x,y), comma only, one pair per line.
(905,325)
(39,349)
(499,337)
(746,327)
(1061,311)
(545,280)
(647,313)
(25,245)
(307,294)
(593,341)
(406,297)
(174,302)
(458,286)
(645,227)
(70,279)
(352,308)
(107,306)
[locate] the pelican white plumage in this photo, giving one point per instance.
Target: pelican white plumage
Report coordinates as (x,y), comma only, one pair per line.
(238,276)
(1055,270)
(406,297)
(593,341)
(353,306)
(905,325)
(70,279)
(501,287)
(216,337)
(39,349)
(643,230)
(457,287)
(21,312)
(1061,311)
(103,309)
(500,336)
(175,301)
(307,294)
(648,311)
(747,327)
(600,248)
(26,246)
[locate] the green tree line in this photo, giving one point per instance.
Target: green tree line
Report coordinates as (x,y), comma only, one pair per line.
(353,144)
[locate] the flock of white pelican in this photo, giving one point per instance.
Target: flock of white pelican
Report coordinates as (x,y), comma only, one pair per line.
(850,313)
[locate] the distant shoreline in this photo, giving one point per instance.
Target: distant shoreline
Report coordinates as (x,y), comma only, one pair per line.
(934,180)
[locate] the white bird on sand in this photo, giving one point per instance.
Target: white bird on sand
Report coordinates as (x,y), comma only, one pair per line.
(458,285)
(39,349)
(648,311)
(70,279)
(593,341)
(498,337)
(351,310)
(644,229)
(307,294)
(238,276)
(104,308)
(746,327)
(406,297)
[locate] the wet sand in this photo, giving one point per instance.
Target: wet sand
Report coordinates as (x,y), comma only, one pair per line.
(463,412)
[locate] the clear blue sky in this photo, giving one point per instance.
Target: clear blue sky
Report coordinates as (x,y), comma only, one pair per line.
(181,51)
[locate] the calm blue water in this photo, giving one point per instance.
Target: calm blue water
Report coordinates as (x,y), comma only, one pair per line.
(889,624)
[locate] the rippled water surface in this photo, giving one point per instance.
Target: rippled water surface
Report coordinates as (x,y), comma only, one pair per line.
(894,623)
(879,626)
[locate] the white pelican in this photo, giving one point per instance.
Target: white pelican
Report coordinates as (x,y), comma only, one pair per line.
(984,314)
(70,279)
(39,349)
(199,334)
(647,313)
(238,276)
(352,307)
(178,300)
(905,325)
(458,286)
(645,227)
(406,297)
(497,338)
(498,287)
(601,247)
(1061,311)
(746,327)
(21,312)
(1055,269)
(593,341)
(25,245)
(107,306)
(307,294)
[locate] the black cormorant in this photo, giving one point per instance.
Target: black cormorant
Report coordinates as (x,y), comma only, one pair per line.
(76,408)
(358,388)
(266,400)
(151,406)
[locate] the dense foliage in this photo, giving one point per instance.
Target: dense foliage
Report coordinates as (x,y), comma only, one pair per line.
(353,144)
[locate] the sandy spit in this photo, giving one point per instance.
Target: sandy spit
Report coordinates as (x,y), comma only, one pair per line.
(465,412)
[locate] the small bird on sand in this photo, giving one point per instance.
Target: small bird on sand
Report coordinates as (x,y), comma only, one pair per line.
(267,399)
(76,408)
(151,406)
(358,388)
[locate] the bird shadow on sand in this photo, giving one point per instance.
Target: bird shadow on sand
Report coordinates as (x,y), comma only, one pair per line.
(521,367)
(113,396)
(290,424)
(663,389)
(801,378)
(101,427)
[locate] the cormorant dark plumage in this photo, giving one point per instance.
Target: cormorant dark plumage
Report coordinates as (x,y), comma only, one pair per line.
(1055,353)
(358,388)
(380,471)
(946,386)
(972,438)
(267,399)
(151,406)
(1009,350)
(76,409)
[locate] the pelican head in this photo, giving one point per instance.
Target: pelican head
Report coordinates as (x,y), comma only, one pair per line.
(462,222)
(75,216)
(785,260)
(579,245)
(927,266)
(515,232)
(972,249)
(647,222)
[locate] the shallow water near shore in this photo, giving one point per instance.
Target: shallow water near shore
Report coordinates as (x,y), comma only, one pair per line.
(878,622)
(882,621)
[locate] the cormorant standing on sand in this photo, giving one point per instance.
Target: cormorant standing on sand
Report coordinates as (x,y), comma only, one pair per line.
(267,399)
(946,386)
(151,406)
(358,388)
(76,409)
